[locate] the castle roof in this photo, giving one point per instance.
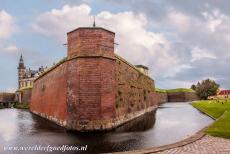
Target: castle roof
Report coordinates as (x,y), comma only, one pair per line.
(21,63)
(224,92)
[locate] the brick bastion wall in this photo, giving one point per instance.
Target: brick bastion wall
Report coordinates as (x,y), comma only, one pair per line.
(182,96)
(92,88)
(163,97)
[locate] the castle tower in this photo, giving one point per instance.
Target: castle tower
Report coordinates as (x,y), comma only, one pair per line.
(21,71)
(91,76)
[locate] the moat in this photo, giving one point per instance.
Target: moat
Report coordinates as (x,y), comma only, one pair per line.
(171,122)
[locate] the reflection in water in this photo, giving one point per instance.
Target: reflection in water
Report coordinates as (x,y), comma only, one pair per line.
(142,123)
(170,123)
(8,128)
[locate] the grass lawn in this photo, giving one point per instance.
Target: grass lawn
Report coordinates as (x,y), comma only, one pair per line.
(174,90)
(22,106)
(220,110)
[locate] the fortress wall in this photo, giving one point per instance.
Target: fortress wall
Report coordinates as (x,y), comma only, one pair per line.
(182,96)
(91,93)
(176,97)
(92,89)
(91,82)
(191,96)
(49,95)
(108,85)
(162,97)
(134,90)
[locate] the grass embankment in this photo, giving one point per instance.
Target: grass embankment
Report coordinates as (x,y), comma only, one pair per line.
(220,110)
(22,106)
(173,90)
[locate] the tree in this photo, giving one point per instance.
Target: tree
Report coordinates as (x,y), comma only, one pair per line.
(206,88)
(193,87)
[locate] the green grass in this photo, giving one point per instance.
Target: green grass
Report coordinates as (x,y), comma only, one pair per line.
(220,110)
(22,106)
(221,127)
(174,90)
(179,90)
(160,90)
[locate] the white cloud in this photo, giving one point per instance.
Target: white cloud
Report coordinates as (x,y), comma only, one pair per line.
(179,20)
(136,43)
(214,19)
(174,51)
(57,23)
(174,83)
(177,69)
(198,54)
(11,90)
(7,25)
(11,49)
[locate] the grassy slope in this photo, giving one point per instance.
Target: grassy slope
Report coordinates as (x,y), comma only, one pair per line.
(219,110)
(160,90)
(221,127)
(174,90)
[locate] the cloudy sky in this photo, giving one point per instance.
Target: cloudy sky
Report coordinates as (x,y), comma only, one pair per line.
(180,41)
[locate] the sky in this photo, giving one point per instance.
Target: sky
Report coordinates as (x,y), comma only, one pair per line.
(182,42)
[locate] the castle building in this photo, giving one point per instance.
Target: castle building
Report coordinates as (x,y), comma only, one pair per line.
(26,76)
(26,79)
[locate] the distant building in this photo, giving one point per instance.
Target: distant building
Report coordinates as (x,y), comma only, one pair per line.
(143,69)
(26,76)
(224,93)
(26,79)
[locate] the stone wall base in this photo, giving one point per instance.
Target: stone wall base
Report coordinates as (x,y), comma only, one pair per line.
(97,125)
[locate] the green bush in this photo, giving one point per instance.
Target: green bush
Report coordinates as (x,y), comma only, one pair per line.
(22,106)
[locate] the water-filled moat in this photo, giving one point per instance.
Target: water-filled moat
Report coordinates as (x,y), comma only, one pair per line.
(171,122)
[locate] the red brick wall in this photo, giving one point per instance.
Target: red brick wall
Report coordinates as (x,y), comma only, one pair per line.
(90,42)
(49,94)
(134,90)
(92,87)
(182,96)
(162,97)
(91,93)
